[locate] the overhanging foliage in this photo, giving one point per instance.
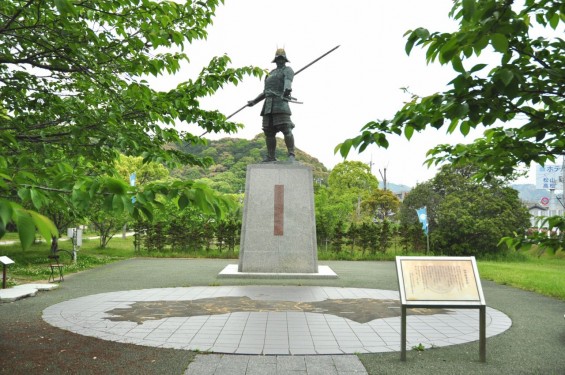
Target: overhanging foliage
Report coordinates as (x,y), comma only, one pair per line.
(73,96)
(520,99)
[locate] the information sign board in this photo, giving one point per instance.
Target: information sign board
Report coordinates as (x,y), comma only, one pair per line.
(439,280)
(5,260)
(446,282)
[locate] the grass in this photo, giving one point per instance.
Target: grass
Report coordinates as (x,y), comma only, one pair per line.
(10,237)
(33,265)
(544,275)
(208,254)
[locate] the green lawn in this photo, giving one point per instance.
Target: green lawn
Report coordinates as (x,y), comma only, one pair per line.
(33,265)
(544,276)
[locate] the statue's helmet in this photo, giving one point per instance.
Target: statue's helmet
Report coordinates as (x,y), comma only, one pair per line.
(280,52)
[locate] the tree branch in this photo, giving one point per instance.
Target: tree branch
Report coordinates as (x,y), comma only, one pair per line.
(13,18)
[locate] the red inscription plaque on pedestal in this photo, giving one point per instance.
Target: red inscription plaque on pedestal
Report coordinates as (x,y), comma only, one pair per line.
(279,210)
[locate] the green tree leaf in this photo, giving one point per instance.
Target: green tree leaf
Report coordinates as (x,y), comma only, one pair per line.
(36,198)
(468,9)
(465,128)
(183,201)
(499,42)
(554,21)
(457,64)
(477,68)
(65,7)
(46,227)
(506,76)
(26,228)
(408,132)
(6,213)
(344,148)
(115,186)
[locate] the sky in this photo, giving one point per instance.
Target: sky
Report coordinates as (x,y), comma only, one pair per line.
(359,82)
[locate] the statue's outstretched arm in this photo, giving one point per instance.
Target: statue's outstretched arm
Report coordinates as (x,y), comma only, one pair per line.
(252,102)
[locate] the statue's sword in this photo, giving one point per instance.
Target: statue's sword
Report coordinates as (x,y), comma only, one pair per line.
(295,73)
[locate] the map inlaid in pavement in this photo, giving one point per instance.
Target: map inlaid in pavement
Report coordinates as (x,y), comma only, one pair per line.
(281,320)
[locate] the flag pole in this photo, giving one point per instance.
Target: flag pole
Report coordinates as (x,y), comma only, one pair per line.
(428,241)
(423,218)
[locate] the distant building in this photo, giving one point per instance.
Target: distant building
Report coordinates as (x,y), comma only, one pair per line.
(537,212)
(401,195)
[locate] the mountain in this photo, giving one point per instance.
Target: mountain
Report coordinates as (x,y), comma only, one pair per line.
(230,157)
(529,193)
(526,192)
(395,188)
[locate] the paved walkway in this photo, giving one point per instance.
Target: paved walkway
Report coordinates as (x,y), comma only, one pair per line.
(268,320)
(218,364)
(528,347)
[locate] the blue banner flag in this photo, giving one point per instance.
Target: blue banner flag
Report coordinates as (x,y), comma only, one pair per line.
(132,178)
(423,217)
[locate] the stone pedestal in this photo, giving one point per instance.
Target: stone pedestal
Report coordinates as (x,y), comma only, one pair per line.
(279,227)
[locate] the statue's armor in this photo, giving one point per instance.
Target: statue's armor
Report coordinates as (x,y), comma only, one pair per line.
(276,111)
(276,83)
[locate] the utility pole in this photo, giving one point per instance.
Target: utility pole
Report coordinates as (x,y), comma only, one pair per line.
(563,182)
(383,176)
(561,199)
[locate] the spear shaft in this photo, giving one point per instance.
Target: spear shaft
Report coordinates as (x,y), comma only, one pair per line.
(315,61)
(295,73)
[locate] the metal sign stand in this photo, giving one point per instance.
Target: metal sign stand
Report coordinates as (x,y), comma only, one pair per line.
(440,282)
(5,262)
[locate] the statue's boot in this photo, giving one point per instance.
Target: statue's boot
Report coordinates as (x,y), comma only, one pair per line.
(289,141)
(271,147)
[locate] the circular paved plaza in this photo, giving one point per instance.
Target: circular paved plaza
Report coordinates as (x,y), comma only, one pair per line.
(277,320)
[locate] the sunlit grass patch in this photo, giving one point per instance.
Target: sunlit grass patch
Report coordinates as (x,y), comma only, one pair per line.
(544,276)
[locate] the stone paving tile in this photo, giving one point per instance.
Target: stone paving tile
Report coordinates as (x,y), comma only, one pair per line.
(267,333)
(291,363)
(249,349)
(214,364)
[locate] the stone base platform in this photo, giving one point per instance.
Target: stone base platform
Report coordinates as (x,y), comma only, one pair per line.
(231,271)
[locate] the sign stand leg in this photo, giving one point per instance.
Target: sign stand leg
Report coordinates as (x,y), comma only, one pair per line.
(403,334)
(4,277)
(482,334)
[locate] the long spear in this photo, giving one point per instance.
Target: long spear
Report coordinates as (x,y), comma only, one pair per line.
(295,73)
